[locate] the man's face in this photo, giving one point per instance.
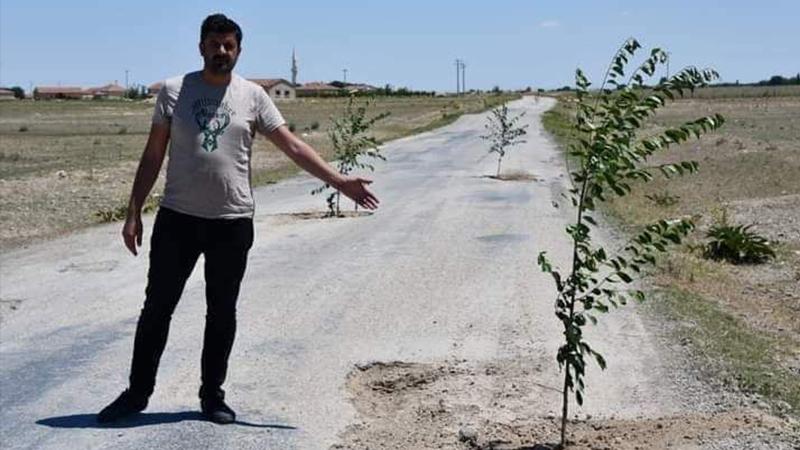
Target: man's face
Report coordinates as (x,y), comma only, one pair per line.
(220,52)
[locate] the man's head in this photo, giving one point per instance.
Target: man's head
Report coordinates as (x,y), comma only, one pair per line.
(220,43)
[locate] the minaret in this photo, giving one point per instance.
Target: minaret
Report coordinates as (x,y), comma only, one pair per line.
(294,68)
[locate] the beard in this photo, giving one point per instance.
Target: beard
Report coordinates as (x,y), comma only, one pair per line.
(221,65)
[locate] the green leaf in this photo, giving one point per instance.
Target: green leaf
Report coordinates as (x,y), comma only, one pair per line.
(624,277)
(600,360)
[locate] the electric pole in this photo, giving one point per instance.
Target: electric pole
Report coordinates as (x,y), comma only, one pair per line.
(344,71)
(458,76)
(126,78)
(463,77)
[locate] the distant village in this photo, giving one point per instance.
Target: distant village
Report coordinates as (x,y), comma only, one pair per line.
(276,88)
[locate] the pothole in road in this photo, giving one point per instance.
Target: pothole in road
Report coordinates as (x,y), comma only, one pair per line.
(317,215)
(518,197)
(394,377)
(503,238)
(495,405)
(513,176)
(8,306)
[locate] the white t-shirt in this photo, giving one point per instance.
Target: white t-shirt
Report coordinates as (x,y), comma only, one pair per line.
(211,139)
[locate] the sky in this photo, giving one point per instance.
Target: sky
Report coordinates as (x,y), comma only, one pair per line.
(411,43)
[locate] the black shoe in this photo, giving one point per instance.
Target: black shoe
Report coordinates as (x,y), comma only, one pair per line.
(215,409)
(125,405)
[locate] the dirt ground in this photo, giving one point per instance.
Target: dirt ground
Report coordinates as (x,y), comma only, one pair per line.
(458,405)
(750,173)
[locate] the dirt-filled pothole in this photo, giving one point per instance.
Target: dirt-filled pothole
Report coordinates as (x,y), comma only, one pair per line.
(466,406)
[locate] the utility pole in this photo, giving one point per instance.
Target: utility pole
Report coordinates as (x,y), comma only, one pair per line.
(458,76)
(126,78)
(463,77)
(345,75)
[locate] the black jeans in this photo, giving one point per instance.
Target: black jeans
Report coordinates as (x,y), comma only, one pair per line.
(177,241)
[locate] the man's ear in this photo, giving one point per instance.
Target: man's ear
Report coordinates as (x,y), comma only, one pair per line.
(200,48)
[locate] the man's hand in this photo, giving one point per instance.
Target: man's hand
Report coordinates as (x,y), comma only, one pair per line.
(356,189)
(132,232)
(146,174)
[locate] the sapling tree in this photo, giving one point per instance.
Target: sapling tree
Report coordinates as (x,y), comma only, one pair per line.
(503,132)
(611,157)
(353,146)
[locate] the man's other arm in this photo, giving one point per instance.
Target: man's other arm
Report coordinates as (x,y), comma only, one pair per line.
(146,175)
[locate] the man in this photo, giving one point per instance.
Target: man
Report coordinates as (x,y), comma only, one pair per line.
(209,118)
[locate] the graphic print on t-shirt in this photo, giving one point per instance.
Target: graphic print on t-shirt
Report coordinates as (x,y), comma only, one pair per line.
(213,117)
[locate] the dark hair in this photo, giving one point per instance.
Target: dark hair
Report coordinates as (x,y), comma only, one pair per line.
(219,23)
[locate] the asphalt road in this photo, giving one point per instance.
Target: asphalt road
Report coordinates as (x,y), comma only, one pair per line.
(444,269)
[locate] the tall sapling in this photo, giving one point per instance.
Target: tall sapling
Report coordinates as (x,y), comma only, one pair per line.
(611,157)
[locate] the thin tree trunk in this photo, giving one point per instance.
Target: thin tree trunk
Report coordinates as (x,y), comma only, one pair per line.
(499,160)
(564,409)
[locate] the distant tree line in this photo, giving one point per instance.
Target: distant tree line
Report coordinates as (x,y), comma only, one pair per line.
(136,92)
(775,80)
(348,89)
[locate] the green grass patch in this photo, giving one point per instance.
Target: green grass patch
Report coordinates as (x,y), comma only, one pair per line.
(732,351)
(558,122)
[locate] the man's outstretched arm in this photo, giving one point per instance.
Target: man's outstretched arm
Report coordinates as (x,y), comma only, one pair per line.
(308,159)
(146,175)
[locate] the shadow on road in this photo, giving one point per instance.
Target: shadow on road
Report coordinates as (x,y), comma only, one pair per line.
(141,420)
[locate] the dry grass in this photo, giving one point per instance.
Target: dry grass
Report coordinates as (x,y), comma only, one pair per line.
(63,162)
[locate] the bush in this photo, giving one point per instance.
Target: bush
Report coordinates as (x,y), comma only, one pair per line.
(737,245)
(19,93)
(315,125)
(23,128)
